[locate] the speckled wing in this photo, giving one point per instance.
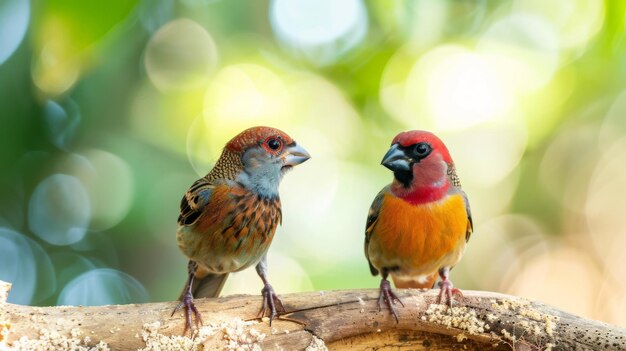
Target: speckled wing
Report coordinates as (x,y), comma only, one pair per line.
(470,223)
(191,207)
(193,202)
(372,217)
(456,183)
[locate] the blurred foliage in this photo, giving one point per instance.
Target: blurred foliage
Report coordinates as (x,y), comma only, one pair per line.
(110,110)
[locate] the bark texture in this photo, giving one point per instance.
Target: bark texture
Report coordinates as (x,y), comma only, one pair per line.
(337,320)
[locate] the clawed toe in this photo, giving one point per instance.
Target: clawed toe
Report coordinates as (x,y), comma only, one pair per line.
(271,303)
(447,291)
(389,298)
(190,308)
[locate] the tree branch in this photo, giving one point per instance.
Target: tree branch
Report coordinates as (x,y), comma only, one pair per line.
(339,320)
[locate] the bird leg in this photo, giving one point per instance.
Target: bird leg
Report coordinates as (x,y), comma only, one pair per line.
(446,287)
(187,300)
(387,296)
(270,299)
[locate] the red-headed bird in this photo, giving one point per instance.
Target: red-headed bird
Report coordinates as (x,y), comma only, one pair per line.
(228,217)
(417,226)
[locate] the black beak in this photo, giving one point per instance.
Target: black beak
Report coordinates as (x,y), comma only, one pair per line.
(396,160)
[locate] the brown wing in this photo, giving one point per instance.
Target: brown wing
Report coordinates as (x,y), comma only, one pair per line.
(372,217)
(193,202)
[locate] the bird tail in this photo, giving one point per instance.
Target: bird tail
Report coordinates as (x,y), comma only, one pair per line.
(425,283)
(210,285)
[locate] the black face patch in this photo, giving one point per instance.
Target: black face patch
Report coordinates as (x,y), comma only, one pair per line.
(404,177)
(418,151)
(415,153)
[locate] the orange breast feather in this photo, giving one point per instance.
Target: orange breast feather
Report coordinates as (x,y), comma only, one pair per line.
(419,235)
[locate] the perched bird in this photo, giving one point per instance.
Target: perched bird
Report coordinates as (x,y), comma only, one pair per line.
(228,217)
(417,226)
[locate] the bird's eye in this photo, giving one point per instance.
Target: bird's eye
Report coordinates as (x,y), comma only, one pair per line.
(422,149)
(273,144)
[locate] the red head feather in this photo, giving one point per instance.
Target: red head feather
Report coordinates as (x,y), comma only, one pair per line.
(413,137)
(255,136)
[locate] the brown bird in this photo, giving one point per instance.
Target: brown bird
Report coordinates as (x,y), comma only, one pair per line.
(228,217)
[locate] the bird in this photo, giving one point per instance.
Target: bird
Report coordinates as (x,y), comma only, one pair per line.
(228,217)
(418,226)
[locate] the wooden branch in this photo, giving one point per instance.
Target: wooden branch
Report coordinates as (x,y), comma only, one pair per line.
(338,320)
(4,291)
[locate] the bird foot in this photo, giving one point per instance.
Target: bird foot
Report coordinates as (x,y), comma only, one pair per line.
(190,309)
(446,291)
(387,296)
(270,302)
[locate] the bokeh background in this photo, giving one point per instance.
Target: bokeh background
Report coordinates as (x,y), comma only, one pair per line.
(111,109)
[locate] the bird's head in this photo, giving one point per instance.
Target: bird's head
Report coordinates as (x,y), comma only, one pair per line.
(419,161)
(265,155)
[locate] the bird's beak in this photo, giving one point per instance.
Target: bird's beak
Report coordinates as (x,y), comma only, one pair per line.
(396,160)
(294,155)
